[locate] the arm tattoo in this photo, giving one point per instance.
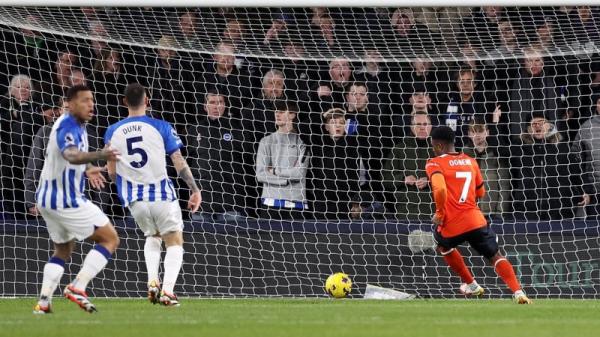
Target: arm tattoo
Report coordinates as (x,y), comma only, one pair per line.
(186,174)
(184,171)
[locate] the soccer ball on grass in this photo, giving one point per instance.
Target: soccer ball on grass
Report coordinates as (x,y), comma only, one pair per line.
(338,285)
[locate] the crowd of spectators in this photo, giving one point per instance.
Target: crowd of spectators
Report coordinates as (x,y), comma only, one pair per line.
(299,137)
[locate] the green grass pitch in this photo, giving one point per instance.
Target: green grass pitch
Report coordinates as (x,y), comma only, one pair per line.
(305,317)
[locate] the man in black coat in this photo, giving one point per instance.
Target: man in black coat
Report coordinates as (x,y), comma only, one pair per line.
(335,170)
(550,183)
(213,149)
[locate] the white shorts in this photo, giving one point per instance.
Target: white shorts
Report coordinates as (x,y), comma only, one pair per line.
(79,223)
(157,217)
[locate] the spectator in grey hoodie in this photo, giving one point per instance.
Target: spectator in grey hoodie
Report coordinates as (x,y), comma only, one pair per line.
(281,165)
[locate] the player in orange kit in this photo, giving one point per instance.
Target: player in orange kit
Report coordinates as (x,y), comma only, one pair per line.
(457,183)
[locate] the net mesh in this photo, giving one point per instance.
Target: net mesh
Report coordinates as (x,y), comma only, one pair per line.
(518,85)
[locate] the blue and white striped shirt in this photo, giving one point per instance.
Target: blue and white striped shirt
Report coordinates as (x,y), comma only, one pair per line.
(144,143)
(61,183)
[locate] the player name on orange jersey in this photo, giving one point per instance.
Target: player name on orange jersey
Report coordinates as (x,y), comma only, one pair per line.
(460,162)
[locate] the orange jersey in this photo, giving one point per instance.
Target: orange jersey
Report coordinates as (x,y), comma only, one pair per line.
(463,185)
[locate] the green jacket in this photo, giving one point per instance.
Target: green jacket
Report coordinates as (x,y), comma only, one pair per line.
(409,157)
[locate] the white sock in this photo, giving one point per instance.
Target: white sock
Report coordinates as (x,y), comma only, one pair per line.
(172,265)
(94,262)
(52,274)
(152,250)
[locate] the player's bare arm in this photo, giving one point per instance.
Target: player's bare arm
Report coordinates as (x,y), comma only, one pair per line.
(185,173)
(76,157)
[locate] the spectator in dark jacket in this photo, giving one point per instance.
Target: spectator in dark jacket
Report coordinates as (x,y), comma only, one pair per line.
(481,28)
(340,77)
(109,82)
(533,92)
(550,183)
(164,83)
(335,170)
(376,76)
(587,144)
(404,172)
(373,126)
(409,36)
(224,75)
(465,105)
(20,119)
(52,91)
(495,174)
(213,146)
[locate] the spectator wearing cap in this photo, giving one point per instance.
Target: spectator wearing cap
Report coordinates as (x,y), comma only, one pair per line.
(550,184)
(495,173)
(404,171)
(20,119)
(532,92)
(587,144)
(213,144)
(335,170)
(282,162)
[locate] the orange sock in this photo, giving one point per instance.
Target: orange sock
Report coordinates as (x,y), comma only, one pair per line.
(505,270)
(457,264)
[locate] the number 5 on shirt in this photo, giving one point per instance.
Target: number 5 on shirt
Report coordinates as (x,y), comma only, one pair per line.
(131,150)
